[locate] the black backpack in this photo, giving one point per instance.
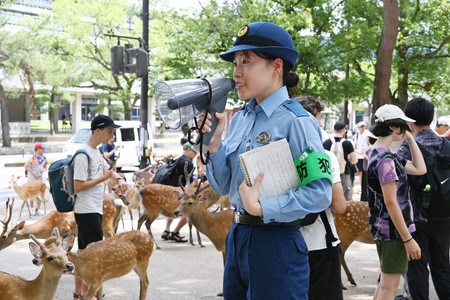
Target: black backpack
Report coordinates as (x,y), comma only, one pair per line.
(164,175)
(435,192)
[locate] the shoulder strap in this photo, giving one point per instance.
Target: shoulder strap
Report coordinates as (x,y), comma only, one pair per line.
(329,236)
(296,108)
(88,158)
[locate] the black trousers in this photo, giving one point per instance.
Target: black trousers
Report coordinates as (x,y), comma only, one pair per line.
(325,280)
(433,239)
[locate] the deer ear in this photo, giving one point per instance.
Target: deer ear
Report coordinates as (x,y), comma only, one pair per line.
(20,225)
(35,250)
(68,242)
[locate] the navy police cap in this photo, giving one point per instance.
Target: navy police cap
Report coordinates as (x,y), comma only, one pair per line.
(264,37)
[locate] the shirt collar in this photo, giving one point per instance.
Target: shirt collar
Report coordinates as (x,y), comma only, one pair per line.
(271,103)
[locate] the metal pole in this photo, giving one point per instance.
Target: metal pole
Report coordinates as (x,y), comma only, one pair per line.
(144,86)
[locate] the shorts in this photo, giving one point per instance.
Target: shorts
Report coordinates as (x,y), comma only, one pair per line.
(89,229)
(392,256)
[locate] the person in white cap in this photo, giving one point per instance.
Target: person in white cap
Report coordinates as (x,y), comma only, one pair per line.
(442,126)
(361,148)
(390,216)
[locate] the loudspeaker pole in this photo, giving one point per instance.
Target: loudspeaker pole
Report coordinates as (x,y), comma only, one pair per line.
(144,88)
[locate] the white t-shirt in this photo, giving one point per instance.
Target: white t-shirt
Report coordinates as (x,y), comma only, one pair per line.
(90,200)
(314,234)
(361,143)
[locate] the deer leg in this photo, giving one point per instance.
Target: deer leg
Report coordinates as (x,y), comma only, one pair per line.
(347,271)
(142,273)
(93,288)
(191,240)
(100,293)
(131,217)
(141,220)
(199,239)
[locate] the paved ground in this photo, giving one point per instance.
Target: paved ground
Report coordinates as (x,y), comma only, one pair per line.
(179,271)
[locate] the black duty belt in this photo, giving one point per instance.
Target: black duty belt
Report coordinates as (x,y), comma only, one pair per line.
(246,219)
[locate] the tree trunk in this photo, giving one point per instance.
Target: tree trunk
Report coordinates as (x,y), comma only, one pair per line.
(384,54)
(5,119)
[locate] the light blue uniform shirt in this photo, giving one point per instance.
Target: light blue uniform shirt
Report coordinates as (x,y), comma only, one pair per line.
(281,119)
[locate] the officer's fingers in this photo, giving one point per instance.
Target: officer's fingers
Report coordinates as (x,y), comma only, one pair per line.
(258,180)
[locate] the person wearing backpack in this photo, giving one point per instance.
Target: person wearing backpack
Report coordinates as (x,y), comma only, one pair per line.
(390,215)
(173,180)
(90,173)
(432,230)
(346,155)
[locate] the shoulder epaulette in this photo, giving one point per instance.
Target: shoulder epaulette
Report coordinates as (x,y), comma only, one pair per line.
(295,107)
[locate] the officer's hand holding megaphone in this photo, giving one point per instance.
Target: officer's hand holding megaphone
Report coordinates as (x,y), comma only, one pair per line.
(216,139)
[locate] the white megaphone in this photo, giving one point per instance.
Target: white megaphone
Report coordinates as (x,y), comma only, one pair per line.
(178,101)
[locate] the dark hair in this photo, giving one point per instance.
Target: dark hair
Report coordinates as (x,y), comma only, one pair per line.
(290,79)
(382,128)
(420,110)
(372,140)
(310,103)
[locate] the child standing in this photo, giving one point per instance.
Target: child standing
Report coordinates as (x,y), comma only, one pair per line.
(391,216)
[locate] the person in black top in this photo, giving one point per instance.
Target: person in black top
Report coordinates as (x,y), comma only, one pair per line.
(350,157)
(188,155)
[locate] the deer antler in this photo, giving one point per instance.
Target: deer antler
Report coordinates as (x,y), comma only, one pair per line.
(199,190)
(188,177)
(7,216)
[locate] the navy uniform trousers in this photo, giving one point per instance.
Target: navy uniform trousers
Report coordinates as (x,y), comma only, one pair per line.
(265,262)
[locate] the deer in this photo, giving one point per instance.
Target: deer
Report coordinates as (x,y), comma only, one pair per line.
(33,190)
(112,258)
(351,226)
(132,197)
(160,199)
(54,258)
(65,221)
(42,229)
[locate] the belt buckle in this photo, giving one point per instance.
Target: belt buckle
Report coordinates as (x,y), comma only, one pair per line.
(236,217)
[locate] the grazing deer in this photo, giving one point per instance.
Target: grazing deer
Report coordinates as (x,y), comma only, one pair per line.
(54,258)
(132,197)
(351,226)
(30,191)
(42,229)
(112,258)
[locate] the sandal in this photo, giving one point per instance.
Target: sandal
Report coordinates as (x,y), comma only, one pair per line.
(165,235)
(175,236)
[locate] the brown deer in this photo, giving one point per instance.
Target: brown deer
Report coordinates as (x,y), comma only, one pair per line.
(112,258)
(351,226)
(215,225)
(42,229)
(54,258)
(160,199)
(34,190)
(132,197)
(65,221)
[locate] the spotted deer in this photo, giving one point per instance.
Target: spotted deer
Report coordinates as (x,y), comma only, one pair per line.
(113,258)
(54,258)
(42,229)
(351,226)
(160,199)
(30,191)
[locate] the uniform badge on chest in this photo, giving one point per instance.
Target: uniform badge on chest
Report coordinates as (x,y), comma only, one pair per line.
(263,137)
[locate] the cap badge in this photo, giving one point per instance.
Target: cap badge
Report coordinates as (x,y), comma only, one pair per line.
(243,31)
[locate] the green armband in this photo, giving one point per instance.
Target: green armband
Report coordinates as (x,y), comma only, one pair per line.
(313,165)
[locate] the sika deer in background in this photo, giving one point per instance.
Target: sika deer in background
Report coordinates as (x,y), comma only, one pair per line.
(215,225)
(351,226)
(53,256)
(30,191)
(160,199)
(42,229)
(112,258)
